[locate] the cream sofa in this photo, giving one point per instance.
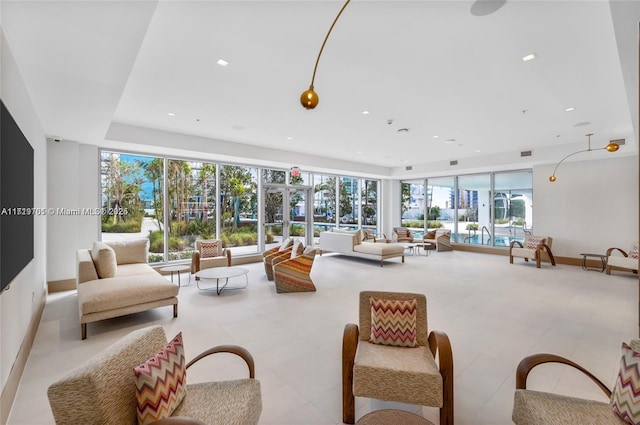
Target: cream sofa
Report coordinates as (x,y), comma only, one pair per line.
(350,243)
(114,279)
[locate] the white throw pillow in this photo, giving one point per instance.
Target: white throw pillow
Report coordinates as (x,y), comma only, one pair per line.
(285,244)
(104,258)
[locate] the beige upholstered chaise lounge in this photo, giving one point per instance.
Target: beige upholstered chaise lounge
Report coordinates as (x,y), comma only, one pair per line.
(349,243)
(102,390)
(114,279)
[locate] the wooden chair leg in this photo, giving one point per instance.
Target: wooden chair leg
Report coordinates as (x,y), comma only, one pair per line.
(175,310)
(349,346)
(83,330)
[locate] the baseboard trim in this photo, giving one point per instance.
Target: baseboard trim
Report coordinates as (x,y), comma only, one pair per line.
(15,375)
(61,285)
(568,261)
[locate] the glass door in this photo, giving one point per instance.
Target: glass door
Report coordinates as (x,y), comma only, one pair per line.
(297,207)
(285,214)
(274,215)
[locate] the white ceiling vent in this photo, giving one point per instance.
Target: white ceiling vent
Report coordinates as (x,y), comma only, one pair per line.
(409,167)
(525,153)
(454,162)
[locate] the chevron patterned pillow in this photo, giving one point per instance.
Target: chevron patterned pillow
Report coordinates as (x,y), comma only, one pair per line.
(393,322)
(209,249)
(625,398)
(161,382)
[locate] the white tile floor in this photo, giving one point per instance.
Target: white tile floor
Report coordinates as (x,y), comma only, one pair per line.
(494,313)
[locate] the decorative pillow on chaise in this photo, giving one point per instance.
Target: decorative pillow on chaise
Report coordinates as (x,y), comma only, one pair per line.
(104,258)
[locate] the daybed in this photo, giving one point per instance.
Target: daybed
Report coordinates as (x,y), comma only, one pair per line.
(348,242)
(114,279)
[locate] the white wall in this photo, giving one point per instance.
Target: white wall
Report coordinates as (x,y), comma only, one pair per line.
(19,303)
(592,206)
(72,184)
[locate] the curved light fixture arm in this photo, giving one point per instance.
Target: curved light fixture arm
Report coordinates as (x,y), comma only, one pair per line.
(568,156)
(309,98)
(611,147)
(315,68)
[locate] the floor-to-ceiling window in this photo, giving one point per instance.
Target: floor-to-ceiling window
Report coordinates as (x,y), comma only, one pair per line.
(369,204)
(440,203)
(348,204)
(474,209)
(413,204)
(238,199)
(174,202)
(513,206)
(482,209)
(132,199)
(191,188)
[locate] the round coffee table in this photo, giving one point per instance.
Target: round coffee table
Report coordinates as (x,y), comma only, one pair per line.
(225,273)
(177,269)
(392,417)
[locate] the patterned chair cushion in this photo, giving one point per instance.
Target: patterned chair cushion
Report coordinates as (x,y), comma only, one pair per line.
(633,253)
(160,382)
(625,397)
(532,242)
(210,249)
(393,322)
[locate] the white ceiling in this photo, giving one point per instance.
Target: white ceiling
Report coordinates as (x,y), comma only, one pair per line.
(432,67)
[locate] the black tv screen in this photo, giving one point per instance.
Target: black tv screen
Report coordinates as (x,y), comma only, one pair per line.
(16,199)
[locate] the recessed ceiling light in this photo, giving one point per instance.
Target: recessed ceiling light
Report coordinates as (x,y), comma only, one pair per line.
(359,152)
(449,141)
(171,114)
(289,138)
(569,109)
(222,62)
(435,137)
(477,150)
(529,57)
(365,112)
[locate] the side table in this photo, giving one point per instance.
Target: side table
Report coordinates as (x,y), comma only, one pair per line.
(603,259)
(177,269)
(392,417)
(426,247)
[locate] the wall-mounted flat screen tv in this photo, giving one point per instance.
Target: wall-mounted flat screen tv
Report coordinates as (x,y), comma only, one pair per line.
(16,199)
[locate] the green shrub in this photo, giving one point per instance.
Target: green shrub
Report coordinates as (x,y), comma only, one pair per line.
(156,242)
(125,227)
(434,224)
(269,237)
(472,226)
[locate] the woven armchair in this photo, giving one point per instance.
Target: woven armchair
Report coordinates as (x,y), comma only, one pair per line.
(102,391)
(200,261)
(406,375)
(402,234)
(292,274)
(536,248)
(623,260)
(539,408)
